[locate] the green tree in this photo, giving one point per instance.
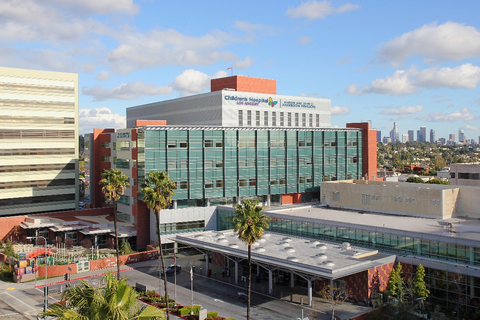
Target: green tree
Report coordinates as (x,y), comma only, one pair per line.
(125,247)
(419,288)
(158,191)
(9,248)
(249,222)
(113,185)
(395,284)
(415,180)
(114,301)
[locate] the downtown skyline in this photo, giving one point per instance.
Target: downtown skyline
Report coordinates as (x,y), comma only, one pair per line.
(413,63)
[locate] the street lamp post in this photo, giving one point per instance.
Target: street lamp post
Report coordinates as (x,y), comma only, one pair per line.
(46,263)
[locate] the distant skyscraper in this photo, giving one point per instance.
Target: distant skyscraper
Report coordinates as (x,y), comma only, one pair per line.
(422,134)
(379,136)
(387,140)
(451,136)
(394,133)
(411,135)
(404,138)
(441,140)
(461,136)
(432,136)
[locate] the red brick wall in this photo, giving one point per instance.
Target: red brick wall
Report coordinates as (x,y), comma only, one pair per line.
(357,285)
(143,224)
(99,136)
(9,228)
(369,152)
(218,259)
(54,271)
(245,84)
(378,278)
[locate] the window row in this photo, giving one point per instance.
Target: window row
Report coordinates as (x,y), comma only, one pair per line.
(277,119)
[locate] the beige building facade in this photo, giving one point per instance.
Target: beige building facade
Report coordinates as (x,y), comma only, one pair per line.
(38,141)
(412,199)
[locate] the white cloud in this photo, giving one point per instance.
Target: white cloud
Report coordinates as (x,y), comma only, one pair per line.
(469,127)
(103,75)
(193,81)
(166,47)
(448,41)
(464,76)
(318,10)
(100,7)
(252,31)
(304,40)
(126,91)
(401,110)
(404,82)
(398,84)
(340,111)
(99,118)
(354,89)
(244,64)
(463,114)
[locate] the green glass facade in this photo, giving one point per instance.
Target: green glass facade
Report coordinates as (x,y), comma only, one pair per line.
(223,162)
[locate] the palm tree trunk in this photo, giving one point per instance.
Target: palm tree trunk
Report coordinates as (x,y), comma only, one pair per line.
(249,279)
(116,236)
(157,215)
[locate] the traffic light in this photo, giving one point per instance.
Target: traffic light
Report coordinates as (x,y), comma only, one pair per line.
(65,276)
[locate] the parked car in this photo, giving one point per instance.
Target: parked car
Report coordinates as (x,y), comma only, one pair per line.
(169,270)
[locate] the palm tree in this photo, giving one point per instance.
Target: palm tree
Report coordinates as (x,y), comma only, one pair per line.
(113,185)
(249,223)
(158,191)
(116,301)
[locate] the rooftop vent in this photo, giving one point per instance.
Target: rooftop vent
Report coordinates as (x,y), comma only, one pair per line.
(289,249)
(321,256)
(328,263)
(233,245)
(260,249)
(294,259)
(346,246)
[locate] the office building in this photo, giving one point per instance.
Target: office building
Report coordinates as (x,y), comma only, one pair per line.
(432,136)
(422,134)
(404,138)
(222,164)
(38,141)
(465,174)
(461,136)
(394,133)
(379,136)
(411,137)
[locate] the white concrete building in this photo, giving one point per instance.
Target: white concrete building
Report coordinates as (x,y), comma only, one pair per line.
(229,108)
(38,141)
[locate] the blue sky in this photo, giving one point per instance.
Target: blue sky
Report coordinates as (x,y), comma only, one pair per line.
(413,62)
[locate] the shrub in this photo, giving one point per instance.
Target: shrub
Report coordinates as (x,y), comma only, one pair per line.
(415,180)
(438,181)
(215,318)
(186,310)
(212,314)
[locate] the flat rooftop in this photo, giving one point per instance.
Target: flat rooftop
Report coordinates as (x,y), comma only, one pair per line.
(320,259)
(466,231)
